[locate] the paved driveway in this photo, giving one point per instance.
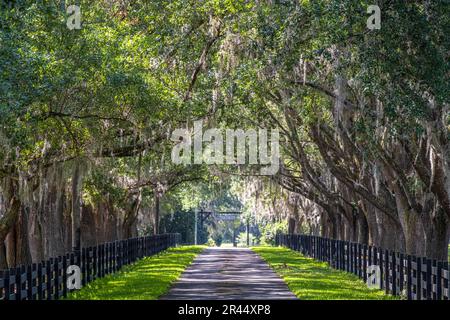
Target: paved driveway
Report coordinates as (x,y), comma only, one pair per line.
(231,273)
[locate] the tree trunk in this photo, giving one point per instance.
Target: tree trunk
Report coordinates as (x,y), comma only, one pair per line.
(363,228)
(35,236)
(11,248)
(76,206)
(3,261)
(291,225)
(58,213)
(436,235)
(129,222)
(156,216)
(413,233)
(7,224)
(371,218)
(22,249)
(88,226)
(112,227)
(333,230)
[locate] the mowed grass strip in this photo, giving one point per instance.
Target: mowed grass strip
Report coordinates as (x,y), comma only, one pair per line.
(147,279)
(312,280)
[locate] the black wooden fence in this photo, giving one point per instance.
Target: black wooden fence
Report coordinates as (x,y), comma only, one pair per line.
(416,278)
(47,280)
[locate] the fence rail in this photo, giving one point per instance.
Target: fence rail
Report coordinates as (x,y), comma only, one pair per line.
(417,278)
(47,280)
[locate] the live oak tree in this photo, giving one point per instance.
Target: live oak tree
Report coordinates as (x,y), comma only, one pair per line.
(364,115)
(83,105)
(86,116)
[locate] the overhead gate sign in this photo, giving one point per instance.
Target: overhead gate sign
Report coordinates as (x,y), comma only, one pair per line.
(226,216)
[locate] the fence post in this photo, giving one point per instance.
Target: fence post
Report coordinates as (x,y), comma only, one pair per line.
(351,257)
(41,281)
(393,267)
(445,281)
(17,283)
(354,259)
(418,278)
(380,261)
(337,252)
(327,250)
(345,253)
(7,285)
(145,246)
(426,279)
(22,283)
(99,261)
(333,253)
(49,278)
(127,251)
(386,271)
(94,262)
(359,260)
(409,276)
(56,279)
(17,272)
(401,275)
(113,256)
(2,286)
(84,262)
(65,259)
(322,248)
(31,280)
(316,247)
(364,263)
(108,258)
(436,276)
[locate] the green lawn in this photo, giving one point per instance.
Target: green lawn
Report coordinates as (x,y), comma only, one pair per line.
(312,280)
(146,279)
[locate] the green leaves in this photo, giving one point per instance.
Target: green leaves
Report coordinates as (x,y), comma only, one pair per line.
(138,69)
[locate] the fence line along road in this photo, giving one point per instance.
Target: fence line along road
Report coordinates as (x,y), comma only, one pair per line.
(416,278)
(47,280)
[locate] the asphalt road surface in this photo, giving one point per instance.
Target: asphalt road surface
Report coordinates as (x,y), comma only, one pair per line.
(229,273)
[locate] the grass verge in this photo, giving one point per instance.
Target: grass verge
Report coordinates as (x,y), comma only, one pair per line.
(147,279)
(312,280)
